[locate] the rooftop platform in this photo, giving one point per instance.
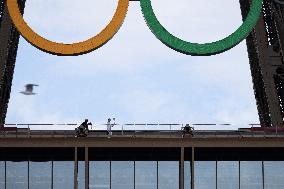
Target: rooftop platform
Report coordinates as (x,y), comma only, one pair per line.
(24,137)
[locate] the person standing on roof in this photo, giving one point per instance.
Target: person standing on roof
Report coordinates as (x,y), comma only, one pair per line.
(109,126)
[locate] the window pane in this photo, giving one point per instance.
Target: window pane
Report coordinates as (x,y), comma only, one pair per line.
(40,175)
(122,174)
(227,174)
(187,175)
(81,174)
(251,175)
(63,174)
(205,174)
(2,174)
(99,174)
(273,174)
(145,175)
(17,175)
(168,174)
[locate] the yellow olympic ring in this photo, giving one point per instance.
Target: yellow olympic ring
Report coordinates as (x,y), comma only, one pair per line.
(68,49)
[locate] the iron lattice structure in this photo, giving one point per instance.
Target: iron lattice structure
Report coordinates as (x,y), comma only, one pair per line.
(265,50)
(9,39)
(265,47)
(1,10)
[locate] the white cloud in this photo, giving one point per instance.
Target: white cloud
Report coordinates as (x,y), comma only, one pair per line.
(134,77)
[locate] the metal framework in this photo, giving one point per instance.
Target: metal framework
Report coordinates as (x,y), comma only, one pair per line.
(9,39)
(265,49)
(1,10)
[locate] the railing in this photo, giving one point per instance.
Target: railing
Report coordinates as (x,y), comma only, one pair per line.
(138,130)
(133,126)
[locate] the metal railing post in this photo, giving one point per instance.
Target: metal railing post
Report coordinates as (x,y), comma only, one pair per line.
(86,168)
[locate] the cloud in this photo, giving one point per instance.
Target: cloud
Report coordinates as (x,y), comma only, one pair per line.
(134,77)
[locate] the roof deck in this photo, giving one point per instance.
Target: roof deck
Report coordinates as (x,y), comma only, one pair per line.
(25,137)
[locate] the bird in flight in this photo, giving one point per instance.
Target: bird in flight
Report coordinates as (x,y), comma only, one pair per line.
(29,89)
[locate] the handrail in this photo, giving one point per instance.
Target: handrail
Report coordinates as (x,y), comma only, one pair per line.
(129,124)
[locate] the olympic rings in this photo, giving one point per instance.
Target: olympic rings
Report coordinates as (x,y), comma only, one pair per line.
(68,49)
(157,29)
(201,49)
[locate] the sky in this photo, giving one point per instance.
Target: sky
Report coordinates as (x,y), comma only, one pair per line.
(134,77)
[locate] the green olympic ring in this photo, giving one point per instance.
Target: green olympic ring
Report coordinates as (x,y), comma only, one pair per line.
(201,49)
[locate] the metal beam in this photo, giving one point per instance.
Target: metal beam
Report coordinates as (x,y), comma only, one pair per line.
(9,39)
(245,141)
(181,169)
(2,3)
(76,168)
(192,167)
(263,57)
(86,168)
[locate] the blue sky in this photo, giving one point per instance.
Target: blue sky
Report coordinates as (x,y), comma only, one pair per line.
(134,77)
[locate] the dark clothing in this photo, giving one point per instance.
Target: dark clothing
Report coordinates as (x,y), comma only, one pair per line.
(85,124)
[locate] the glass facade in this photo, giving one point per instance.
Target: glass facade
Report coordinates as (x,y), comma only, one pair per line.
(228,175)
(251,175)
(99,175)
(40,175)
(142,174)
(168,174)
(2,174)
(81,175)
(187,175)
(122,174)
(273,174)
(205,174)
(63,174)
(17,175)
(146,175)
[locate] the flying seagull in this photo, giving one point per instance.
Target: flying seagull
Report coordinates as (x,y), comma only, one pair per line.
(29,89)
